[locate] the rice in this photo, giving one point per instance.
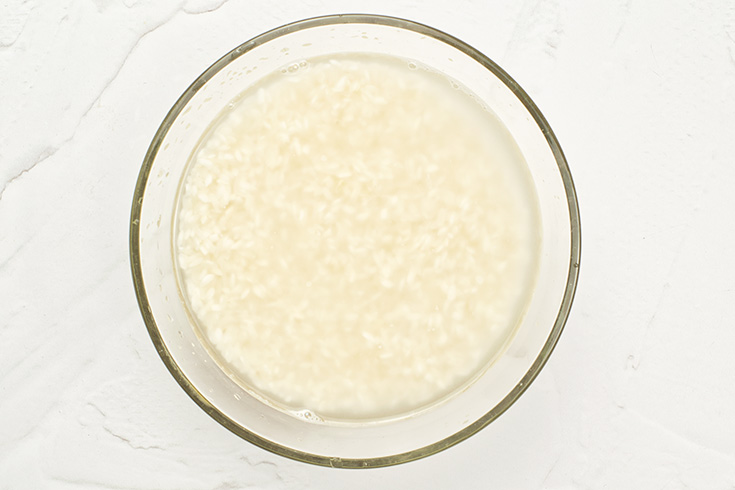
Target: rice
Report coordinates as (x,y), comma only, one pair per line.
(357,238)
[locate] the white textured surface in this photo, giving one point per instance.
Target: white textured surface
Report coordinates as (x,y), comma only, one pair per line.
(638,394)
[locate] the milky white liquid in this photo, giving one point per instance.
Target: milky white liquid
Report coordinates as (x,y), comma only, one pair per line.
(357,238)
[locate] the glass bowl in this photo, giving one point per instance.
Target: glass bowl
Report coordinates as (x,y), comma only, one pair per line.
(170,324)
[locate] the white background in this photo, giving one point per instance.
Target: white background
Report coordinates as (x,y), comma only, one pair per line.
(640,392)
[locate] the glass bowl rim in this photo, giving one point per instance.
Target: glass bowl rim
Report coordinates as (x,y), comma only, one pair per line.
(494,412)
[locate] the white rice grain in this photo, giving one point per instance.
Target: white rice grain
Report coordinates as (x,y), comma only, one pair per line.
(357,239)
